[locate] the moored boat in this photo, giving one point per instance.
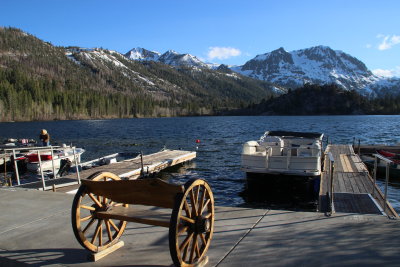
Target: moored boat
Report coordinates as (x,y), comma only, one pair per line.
(394,166)
(284,153)
(52,158)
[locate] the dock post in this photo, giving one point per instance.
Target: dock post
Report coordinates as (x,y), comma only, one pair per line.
(331,170)
(41,170)
(76,166)
(386,186)
(5,168)
(52,162)
(15,166)
(141,162)
(375,171)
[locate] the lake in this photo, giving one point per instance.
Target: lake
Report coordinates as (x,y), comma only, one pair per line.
(221,140)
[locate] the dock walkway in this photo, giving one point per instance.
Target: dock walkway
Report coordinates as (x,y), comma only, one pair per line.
(353,187)
(130,169)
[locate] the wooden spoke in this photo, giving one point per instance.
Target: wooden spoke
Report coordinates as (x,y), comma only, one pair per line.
(108,230)
(208,216)
(95,200)
(96,233)
(187,219)
(86,218)
(183,230)
(192,200)
(185,252)
(194,245)
(87,208)
(203,195)
(203,239)
(196,195)
(114,226)
(186,241)
(187,209)
(101,235)
(88,225)
(198,254)
(205,206)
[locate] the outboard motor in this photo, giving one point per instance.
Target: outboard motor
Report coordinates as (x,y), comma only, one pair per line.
(65,165)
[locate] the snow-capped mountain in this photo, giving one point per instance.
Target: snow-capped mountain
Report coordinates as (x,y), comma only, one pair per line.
(170,57)
(316,65)
(142,54)
(173,58)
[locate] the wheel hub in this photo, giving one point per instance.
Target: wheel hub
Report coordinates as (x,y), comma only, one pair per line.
(202,225)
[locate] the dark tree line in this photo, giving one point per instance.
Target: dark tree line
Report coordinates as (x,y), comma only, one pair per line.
(323,100)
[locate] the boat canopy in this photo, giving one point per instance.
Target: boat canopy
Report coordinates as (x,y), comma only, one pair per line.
(295,134)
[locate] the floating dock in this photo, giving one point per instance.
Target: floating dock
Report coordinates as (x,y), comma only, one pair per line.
(129,169)
(354,190)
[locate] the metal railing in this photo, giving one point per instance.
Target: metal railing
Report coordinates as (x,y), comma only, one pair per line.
(330,167)
(387,163)
(12,152)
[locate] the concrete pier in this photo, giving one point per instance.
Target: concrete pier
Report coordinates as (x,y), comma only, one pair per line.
(35,230)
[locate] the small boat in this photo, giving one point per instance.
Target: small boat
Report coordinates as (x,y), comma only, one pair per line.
(10,144)
(394,167)
(48,159)
(109,159)
(283,153)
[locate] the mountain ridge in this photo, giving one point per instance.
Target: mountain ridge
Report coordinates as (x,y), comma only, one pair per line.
(314,65)
(52,82)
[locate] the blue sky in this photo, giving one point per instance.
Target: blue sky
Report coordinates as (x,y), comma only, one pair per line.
(219,31)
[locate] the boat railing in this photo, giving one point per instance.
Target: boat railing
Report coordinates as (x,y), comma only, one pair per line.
(38,150)
(330,167)
(290,151)
(387,163)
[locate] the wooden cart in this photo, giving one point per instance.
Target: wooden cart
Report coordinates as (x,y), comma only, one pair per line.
(100,212)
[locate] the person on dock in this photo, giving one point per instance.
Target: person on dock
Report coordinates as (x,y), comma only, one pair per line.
(44,137)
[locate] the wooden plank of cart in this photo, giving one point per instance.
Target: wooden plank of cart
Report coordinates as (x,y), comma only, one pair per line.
(102,207)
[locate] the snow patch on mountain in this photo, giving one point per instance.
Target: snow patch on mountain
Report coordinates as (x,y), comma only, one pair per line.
(315,65)
(170,57)
(142,54)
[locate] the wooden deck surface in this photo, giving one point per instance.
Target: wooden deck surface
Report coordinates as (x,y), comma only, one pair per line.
(351,181)
(151,163)
(130,169)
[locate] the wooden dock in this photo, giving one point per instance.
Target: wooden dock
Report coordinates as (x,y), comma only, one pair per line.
(129,169)
(353,188)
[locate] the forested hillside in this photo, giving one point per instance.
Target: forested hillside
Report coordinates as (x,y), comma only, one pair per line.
(39,81)
(322,100)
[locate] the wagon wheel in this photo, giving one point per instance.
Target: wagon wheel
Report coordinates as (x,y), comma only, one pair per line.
(93,233)
(192,224)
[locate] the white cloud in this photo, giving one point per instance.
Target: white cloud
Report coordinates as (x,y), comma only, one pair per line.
(387,73)
(368,45)
(388,41)
(223,52)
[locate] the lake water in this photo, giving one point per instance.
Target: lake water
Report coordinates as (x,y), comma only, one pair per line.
(218,157)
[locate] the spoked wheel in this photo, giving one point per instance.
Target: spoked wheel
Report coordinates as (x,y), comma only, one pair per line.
(93,233)
(192,224)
